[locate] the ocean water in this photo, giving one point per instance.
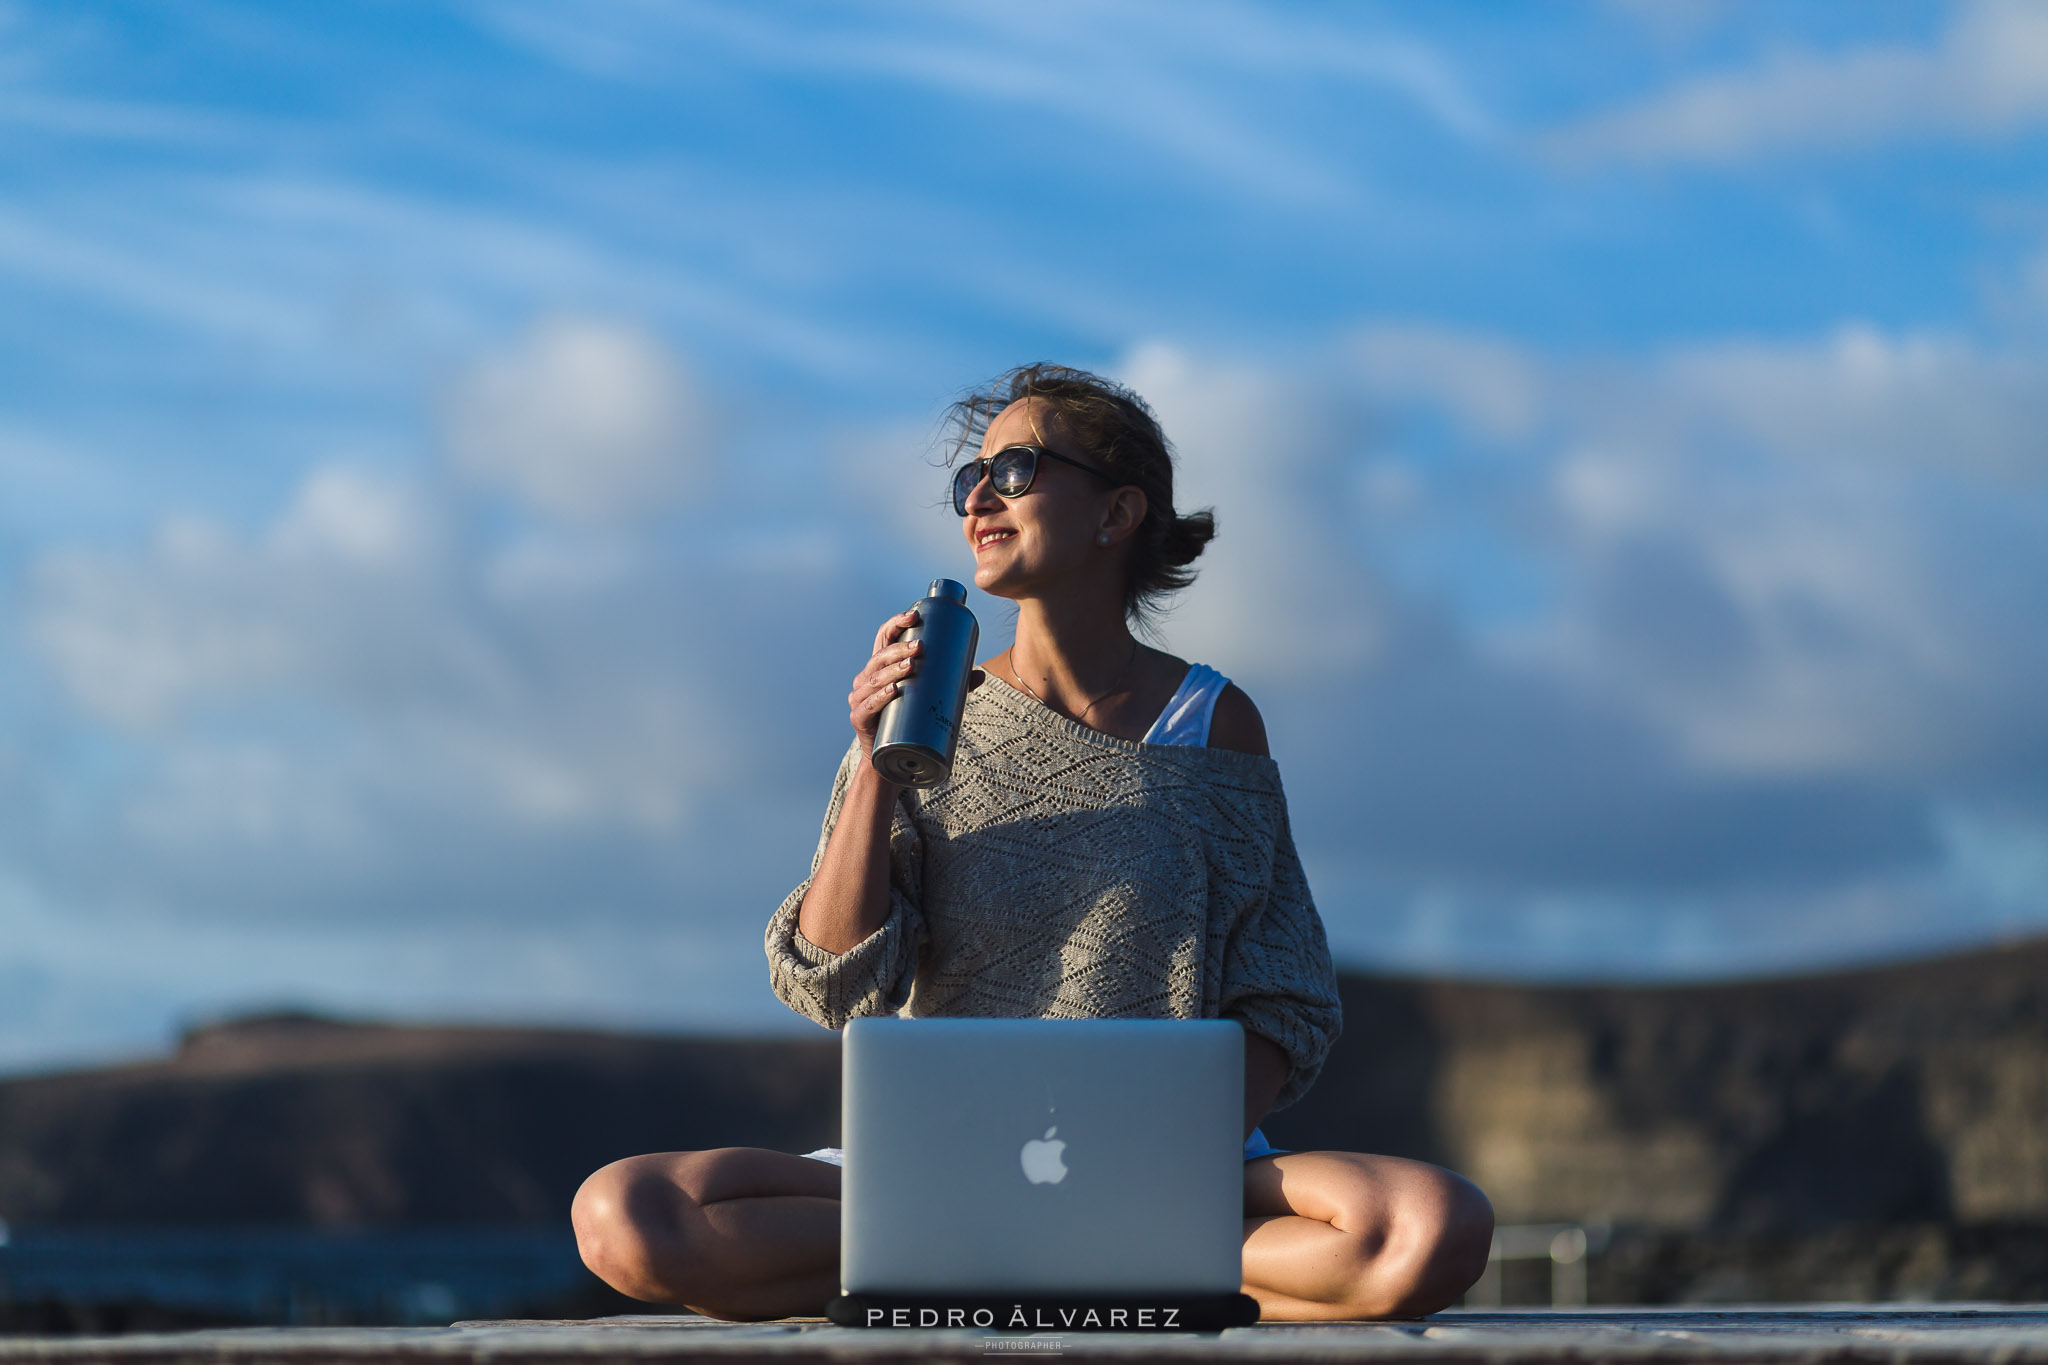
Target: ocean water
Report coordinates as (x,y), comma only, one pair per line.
(291,1275)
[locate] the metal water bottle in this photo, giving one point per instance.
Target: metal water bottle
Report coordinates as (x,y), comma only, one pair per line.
(919,730)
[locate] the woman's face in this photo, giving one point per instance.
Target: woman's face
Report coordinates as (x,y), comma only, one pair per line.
(1034,544)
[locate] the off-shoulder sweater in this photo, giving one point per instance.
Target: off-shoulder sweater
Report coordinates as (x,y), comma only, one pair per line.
(1064,873)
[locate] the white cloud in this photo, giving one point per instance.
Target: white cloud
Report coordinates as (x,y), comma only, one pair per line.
(1491,385)
(1788,625)
(357,706)
(1281,591)
(1801,625)
(1780,688)
(1794,558)
(582,420)
(1862,395)
(346,515)
(1985,76)
(1818,561)
(346,582)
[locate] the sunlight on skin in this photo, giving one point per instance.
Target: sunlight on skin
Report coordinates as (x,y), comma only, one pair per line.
(744,1234)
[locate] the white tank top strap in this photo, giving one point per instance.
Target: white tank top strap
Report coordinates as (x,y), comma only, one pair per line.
(1186,717)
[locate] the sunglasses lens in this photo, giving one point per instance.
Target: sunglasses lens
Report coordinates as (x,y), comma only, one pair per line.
(1011,472)
(964,479)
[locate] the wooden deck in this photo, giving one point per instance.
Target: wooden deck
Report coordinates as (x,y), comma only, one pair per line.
(1849,1335)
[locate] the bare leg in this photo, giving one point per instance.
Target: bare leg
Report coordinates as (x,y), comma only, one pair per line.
(1343,1235)
(743,1233)
(735,1232)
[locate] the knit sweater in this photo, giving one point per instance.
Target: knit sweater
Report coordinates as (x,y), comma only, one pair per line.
(1064,873)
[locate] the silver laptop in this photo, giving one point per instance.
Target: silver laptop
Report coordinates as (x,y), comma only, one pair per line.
(1042,1156)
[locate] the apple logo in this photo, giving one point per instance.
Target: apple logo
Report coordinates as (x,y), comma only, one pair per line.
(1041,1159)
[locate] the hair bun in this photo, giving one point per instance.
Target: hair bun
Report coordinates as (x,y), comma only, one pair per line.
(1186,537)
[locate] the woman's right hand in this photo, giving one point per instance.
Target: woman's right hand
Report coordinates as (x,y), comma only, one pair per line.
(876,685)
(848,897)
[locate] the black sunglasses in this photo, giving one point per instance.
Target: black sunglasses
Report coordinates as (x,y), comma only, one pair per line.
(1010,472)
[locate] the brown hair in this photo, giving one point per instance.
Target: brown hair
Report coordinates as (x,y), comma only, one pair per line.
(1115,429)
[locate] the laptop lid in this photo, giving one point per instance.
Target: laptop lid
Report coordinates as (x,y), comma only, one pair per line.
(1033,1155)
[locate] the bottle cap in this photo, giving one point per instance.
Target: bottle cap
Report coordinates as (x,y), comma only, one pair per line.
(948,589)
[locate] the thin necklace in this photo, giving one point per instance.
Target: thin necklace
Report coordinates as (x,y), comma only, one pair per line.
(1110,692)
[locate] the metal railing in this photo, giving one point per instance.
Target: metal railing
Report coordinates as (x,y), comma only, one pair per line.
(1565,1245)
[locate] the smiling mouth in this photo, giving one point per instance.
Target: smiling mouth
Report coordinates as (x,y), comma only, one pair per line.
(988,538)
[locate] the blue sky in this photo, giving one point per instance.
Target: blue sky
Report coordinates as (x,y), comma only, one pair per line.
(452,457)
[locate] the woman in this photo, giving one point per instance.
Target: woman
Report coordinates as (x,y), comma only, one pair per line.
(1113,843)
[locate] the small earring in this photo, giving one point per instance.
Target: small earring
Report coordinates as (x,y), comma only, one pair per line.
(1102,539)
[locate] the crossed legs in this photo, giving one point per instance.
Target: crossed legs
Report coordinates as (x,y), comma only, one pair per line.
(742,1233)
(734,1232)
(1336,1235)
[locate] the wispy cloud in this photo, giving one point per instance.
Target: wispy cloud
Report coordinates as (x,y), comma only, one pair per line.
(1985,76)
(47,257)
(275,261)
(1186,80)
(123,121)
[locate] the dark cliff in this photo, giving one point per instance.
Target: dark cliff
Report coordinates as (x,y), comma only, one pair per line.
(1912,1094)
(294,1120)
